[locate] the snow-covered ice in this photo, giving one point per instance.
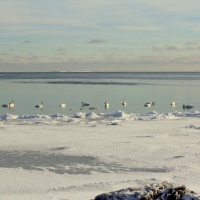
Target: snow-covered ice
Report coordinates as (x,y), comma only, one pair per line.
(83,155)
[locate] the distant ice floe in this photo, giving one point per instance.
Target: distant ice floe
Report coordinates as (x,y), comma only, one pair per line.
(96,118)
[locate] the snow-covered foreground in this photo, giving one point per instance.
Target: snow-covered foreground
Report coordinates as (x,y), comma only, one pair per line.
(42,157)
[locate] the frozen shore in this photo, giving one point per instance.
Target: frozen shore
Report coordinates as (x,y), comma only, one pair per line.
(81,156)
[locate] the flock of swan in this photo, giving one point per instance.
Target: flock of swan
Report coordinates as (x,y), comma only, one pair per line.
(62,105)
(83,104)
(173,103)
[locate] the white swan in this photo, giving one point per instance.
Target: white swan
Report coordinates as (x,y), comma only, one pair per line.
(124,103)
(187,106)
(63,105)
(40,105)
(106,105)
(11,104)
(149,104)
(173,103)
(84,104)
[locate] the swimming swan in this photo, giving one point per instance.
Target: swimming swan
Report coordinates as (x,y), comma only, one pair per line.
(187,106)
(149,104)
(11,104)
(124,103)
(106,105)
(84,104)
(40,105)
(173,103)
(63,105)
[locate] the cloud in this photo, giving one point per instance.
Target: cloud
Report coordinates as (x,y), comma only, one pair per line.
(158,48)
(197,29)
(138,28)
(175,48)
(61,49)
(95,41)
(193,48)
(190,45)
(191,42)
(27,41)
(111,62)
(4,54)
(163,11)
(56,58)
(184,5)
(61,53)
(168,47)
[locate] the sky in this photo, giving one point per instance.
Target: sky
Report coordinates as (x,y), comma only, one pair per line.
(99,35)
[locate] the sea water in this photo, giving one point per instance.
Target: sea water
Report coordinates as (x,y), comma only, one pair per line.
(96,88)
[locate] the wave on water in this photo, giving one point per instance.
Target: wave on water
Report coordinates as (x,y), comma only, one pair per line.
(93,118)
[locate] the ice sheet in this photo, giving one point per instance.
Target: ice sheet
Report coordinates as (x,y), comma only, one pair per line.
(47,157)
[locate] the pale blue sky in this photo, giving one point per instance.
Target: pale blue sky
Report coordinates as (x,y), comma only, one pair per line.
(94,35)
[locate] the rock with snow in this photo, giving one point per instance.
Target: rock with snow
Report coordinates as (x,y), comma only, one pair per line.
(163,191)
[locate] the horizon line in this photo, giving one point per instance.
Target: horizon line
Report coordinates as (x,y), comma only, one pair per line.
(102,72)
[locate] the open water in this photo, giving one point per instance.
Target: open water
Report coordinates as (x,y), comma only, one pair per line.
(95,88)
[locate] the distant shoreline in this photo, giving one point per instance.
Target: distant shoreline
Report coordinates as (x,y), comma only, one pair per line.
(105,72)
